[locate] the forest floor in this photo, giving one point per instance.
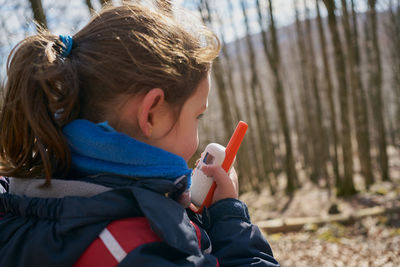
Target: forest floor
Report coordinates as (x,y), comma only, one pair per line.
(369,241)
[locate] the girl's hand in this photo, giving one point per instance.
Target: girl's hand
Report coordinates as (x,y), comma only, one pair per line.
(227,184)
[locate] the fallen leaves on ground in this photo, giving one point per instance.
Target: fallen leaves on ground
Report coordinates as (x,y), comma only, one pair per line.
(371,241)
(368,242)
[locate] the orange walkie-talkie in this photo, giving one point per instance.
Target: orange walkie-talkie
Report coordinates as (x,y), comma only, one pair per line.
(203,187)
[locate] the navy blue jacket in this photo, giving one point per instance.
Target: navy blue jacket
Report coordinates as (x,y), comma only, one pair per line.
(56,231)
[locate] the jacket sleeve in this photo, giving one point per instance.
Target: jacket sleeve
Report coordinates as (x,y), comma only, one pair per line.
(235,240)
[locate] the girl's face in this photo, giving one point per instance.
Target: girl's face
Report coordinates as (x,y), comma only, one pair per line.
(183,139)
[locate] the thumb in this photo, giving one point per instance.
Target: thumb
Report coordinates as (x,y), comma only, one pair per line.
(226,187)
(217,173)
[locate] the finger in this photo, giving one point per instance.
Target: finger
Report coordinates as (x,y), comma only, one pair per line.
(220,176)
(234,177)
(217,173)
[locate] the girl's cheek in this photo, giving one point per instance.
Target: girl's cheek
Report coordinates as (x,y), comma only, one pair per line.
(192,149)
(197,141)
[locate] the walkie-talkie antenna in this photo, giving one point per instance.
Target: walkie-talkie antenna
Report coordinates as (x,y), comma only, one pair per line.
(230,154)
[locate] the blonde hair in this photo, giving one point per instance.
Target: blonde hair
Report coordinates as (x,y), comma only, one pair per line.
(128,49)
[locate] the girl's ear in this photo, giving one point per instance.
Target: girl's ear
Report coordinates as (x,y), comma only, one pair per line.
(151,104)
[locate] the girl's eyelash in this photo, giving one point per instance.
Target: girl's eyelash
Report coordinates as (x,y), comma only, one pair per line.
(200,116)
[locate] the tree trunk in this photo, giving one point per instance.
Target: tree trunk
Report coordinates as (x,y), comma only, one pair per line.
(301,143)
(257,157)
(357,92)
(321,140)
(228,66)
(223,98)
(308,104)
(244,167)
(375,82)
(305,102)
(275,64)
(219,79)
(346,187)
(393,33)
(331,102)
(90,6)
(264,132)
(38,14)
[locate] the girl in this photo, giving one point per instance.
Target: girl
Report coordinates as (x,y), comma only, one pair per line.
(96,130)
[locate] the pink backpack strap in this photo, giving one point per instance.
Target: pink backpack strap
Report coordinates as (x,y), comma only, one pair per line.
(116,241)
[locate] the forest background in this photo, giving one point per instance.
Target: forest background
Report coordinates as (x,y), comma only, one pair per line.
(318,82)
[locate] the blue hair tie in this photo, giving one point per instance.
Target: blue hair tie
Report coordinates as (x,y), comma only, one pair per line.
(68,42)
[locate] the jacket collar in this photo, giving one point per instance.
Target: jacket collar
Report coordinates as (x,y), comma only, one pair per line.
(98,148)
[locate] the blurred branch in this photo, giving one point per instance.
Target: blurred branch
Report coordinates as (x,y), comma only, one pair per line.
(90,6)
(296,224)
(106,2)
(38,13)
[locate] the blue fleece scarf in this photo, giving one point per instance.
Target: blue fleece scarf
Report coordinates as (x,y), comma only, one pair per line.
(98,148)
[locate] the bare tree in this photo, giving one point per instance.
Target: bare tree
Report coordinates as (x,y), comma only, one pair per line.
(375,83)
(219,78)
(308,79)
(301,138)
(227,71)
(228,67)
(321,140)
(258,98)
(257,157)
(330,93)
(305,99)
(346,186)
(274,60)
(90,6)
(393,32)
(357,92)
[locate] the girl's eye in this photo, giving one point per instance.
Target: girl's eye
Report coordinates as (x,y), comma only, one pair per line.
(200,116)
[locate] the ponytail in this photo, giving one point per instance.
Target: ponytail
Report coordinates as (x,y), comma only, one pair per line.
(124,50)
(41,95)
